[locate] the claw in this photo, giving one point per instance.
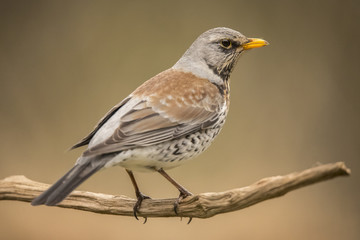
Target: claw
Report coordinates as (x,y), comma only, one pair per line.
(183,195)
(190,219)
(140,198)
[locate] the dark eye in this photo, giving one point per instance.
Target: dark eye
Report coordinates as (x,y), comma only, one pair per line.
(226,43)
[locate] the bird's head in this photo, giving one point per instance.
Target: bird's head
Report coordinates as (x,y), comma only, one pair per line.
(217,50)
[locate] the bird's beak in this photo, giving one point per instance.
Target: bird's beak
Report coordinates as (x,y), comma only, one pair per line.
(254,43)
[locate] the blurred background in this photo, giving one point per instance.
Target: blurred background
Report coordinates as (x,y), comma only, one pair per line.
(294,104)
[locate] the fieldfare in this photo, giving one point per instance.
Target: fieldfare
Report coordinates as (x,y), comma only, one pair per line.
(168,120)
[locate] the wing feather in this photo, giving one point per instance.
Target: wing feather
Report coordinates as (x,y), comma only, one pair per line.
(86,140)
(176,110)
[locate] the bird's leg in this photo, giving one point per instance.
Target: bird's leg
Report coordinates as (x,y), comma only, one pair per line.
(183,192)
(140,197)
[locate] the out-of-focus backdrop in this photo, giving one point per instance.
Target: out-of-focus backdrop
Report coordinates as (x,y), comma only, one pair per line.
(294,104)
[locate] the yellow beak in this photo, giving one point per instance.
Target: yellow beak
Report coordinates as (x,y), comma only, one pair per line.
(254,43)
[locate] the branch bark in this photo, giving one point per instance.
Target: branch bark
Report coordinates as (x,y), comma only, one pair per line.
(203,205)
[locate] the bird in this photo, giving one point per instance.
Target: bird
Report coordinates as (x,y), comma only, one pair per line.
(168,120)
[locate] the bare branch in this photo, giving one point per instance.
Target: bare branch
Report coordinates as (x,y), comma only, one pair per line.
(203,205)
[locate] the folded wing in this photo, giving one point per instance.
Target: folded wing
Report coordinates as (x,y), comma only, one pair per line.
(171,105)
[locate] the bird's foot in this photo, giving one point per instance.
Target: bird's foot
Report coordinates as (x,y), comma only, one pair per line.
(140,197)
(183,194)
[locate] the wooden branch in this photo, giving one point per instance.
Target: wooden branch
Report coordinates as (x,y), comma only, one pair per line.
(203,205)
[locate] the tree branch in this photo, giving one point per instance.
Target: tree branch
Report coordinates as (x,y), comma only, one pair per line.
(203,205)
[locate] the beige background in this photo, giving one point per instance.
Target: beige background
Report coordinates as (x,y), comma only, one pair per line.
(63,64)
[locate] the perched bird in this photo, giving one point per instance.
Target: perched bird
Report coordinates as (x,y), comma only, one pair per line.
(166,121)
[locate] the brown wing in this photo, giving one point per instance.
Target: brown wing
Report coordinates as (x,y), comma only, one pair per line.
(168,106)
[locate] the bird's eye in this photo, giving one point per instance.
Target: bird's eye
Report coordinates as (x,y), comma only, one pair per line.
(226,43)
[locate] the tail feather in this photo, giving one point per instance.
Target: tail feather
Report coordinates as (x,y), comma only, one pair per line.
(73,178)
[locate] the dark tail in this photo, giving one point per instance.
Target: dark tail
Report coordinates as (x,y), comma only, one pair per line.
(73,178)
